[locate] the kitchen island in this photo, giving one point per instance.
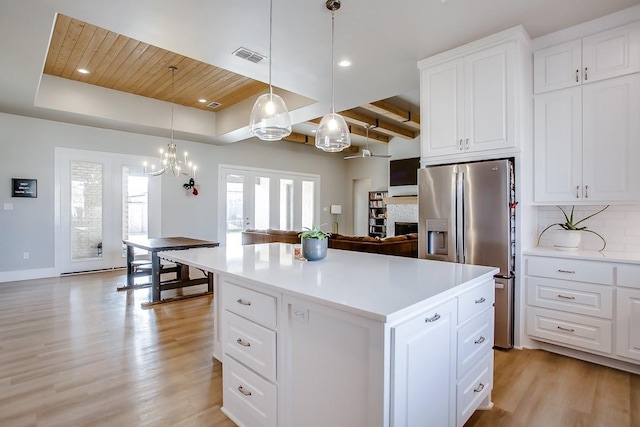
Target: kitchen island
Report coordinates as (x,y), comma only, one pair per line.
(356,339)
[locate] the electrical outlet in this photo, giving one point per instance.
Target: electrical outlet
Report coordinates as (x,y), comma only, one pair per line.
(8,206)
(300,314)
(25,255)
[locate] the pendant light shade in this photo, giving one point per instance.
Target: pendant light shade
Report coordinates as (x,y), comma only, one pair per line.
(333,133)
(269,118)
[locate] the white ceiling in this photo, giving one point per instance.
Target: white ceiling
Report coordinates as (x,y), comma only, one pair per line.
(383,39)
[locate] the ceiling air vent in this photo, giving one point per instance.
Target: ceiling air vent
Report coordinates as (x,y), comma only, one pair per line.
(213,104)
(249,55)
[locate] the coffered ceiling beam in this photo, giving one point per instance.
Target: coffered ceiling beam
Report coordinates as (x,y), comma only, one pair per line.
(378,125)
(392,112)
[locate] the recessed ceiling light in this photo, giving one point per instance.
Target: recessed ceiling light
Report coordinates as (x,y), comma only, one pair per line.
(202,100)
(344,63)
(83,71)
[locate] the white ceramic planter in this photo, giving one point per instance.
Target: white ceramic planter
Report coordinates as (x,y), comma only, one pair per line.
(567,240)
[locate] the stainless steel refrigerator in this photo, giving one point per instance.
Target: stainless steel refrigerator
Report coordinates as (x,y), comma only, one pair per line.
(467,215)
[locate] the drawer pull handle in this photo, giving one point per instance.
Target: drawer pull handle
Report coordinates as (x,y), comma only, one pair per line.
(479,340)
(565,297)
(479,388)
(566,271)
(243,391)
(243,302)
(432,319)
(566,329)
(480,301)
(243,343)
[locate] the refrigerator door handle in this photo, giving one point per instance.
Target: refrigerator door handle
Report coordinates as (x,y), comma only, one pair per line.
(460,235)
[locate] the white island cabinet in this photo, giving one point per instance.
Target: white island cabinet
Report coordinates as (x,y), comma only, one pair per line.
(356,339)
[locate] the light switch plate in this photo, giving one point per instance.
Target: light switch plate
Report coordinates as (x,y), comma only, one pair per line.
(300,314)
(8,206)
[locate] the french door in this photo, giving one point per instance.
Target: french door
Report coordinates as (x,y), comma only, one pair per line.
(100,199)
(253,198)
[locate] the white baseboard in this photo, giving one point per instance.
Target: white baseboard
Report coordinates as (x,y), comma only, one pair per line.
(18,275)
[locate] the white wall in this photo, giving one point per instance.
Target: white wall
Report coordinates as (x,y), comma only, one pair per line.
(28,152)
(619,225)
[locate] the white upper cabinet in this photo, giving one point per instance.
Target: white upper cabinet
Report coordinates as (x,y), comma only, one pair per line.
(587,143)
(469,98)
(597,57)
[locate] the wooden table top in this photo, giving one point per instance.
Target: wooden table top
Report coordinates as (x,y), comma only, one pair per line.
(169,243)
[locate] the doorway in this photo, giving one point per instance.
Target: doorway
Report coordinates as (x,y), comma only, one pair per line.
(100,199)
(361,188)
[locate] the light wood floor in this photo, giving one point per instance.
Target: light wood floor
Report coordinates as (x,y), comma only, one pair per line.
(541,389)
(74,352)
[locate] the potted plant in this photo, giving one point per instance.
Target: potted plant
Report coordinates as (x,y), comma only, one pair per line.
(568,236)
(314,243)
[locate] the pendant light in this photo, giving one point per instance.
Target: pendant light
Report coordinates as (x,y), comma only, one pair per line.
(333,133)
(270,119)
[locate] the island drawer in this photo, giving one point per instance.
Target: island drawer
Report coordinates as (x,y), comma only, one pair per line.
(253,305)
(250,343)
(572,329)
(473,388)
(475,341)
(474,301)
(573,297)
(571,269)
(247,397)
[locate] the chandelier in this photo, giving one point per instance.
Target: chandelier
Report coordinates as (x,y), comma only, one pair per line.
(169,162)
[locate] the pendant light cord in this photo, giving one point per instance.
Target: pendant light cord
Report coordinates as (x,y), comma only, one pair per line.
(270,37)
(333,69)
(173,73)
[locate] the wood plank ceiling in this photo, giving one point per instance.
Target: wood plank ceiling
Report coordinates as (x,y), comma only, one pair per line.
(121,63)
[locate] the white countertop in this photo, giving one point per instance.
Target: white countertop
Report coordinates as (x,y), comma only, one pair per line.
(622,257)
(380,287)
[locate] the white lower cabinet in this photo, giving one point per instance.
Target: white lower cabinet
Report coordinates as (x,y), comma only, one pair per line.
(424,379)
(588,305)
(292,362)
(248,338)
(628,325)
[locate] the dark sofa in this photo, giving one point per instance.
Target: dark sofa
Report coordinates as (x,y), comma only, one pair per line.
(404,245)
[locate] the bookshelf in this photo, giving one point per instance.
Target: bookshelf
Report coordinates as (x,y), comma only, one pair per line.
(377,214)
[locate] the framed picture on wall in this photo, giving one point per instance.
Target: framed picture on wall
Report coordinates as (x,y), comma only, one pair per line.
(21,187)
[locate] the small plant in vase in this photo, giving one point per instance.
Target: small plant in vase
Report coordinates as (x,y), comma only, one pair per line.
(314,243)
(569,232)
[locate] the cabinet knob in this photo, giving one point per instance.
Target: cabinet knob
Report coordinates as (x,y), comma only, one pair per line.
(479,388)
(565,297)
(480,301)
(466,143)
(480,340)
(586,191)
(432,319)
(460,145)
(577,191)
(566,271)
(243,302)
(577,76)
(566,329)
(586,74)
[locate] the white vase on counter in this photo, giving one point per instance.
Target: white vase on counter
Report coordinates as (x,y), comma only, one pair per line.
(566,240)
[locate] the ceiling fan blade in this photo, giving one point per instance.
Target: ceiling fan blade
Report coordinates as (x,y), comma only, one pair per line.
(359,156)
(383,156)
